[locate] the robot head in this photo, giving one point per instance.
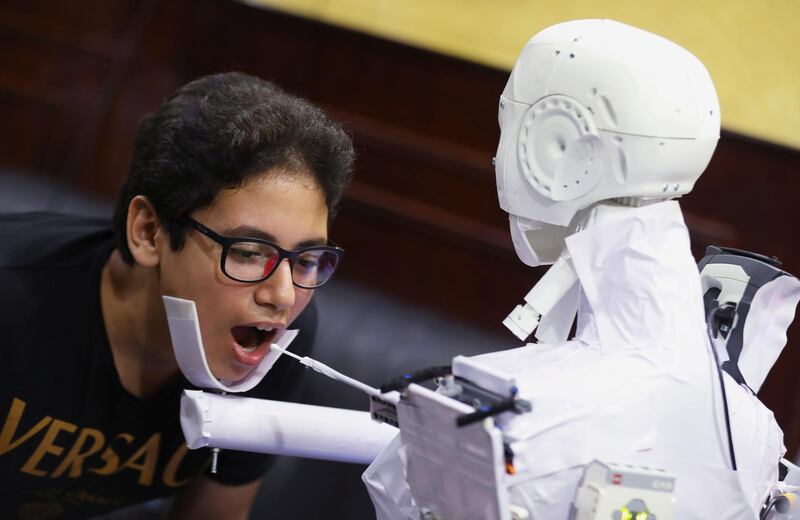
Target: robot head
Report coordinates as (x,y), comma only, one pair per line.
(597,110)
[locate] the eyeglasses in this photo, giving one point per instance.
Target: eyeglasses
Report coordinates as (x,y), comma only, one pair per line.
(253,260)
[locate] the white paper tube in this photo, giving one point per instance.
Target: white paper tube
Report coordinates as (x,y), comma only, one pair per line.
(263,426)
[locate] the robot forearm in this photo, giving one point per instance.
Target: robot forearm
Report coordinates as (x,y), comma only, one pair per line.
(264,426)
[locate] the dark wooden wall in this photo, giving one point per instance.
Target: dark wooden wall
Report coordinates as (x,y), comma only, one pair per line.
(421,220)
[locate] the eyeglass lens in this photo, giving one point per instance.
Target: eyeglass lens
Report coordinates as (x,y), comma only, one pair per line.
(252,261)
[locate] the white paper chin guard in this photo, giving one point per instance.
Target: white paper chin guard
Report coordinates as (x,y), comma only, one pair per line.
(184,328)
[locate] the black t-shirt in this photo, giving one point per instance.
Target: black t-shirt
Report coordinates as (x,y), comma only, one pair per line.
(73,442)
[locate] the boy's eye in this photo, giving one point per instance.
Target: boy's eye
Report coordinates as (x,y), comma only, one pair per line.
(307,263)
(245,253)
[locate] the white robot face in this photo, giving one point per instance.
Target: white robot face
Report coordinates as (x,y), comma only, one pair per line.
(597,110)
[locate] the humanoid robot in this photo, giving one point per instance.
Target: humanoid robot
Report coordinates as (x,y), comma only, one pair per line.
(649,411)
(602,125)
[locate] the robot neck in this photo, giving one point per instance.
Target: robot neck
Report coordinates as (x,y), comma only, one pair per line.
(621,258)
(612,210)
(551,305)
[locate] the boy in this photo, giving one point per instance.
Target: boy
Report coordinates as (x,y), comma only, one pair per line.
(231,189)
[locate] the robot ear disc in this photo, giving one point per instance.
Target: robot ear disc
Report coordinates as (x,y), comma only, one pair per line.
(579,169)
(559,150)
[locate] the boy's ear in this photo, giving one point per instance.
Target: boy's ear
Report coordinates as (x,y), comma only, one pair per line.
(144,232)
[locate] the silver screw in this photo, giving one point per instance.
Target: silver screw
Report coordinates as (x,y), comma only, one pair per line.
(214,457)
(494,161)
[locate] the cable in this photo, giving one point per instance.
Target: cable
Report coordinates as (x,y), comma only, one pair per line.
(711,336)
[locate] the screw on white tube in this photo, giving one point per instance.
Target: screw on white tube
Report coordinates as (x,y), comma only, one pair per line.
(214,457)
(215,454)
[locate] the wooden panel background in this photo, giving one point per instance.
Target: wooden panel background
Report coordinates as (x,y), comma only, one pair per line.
(421,221)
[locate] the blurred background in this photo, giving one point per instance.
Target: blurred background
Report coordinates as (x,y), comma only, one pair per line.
(430,268)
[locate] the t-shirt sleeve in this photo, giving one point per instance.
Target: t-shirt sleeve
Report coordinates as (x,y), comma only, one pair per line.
(282,383)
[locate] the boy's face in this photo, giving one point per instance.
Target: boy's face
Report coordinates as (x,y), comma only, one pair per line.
(287,209)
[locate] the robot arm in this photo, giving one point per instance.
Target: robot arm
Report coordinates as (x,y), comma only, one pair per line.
(280,428)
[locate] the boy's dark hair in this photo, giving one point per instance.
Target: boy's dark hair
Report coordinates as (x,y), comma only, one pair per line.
(216,132)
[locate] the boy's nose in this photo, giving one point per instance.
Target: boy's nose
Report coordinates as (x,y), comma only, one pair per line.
(278,289)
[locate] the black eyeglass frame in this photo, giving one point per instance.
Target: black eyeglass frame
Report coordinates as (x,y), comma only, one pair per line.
(228,242)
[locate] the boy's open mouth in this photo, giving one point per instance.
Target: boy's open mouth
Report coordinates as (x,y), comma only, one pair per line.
(250,338)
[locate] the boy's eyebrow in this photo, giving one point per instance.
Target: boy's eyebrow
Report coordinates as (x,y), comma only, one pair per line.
(252,232)
(248,232)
